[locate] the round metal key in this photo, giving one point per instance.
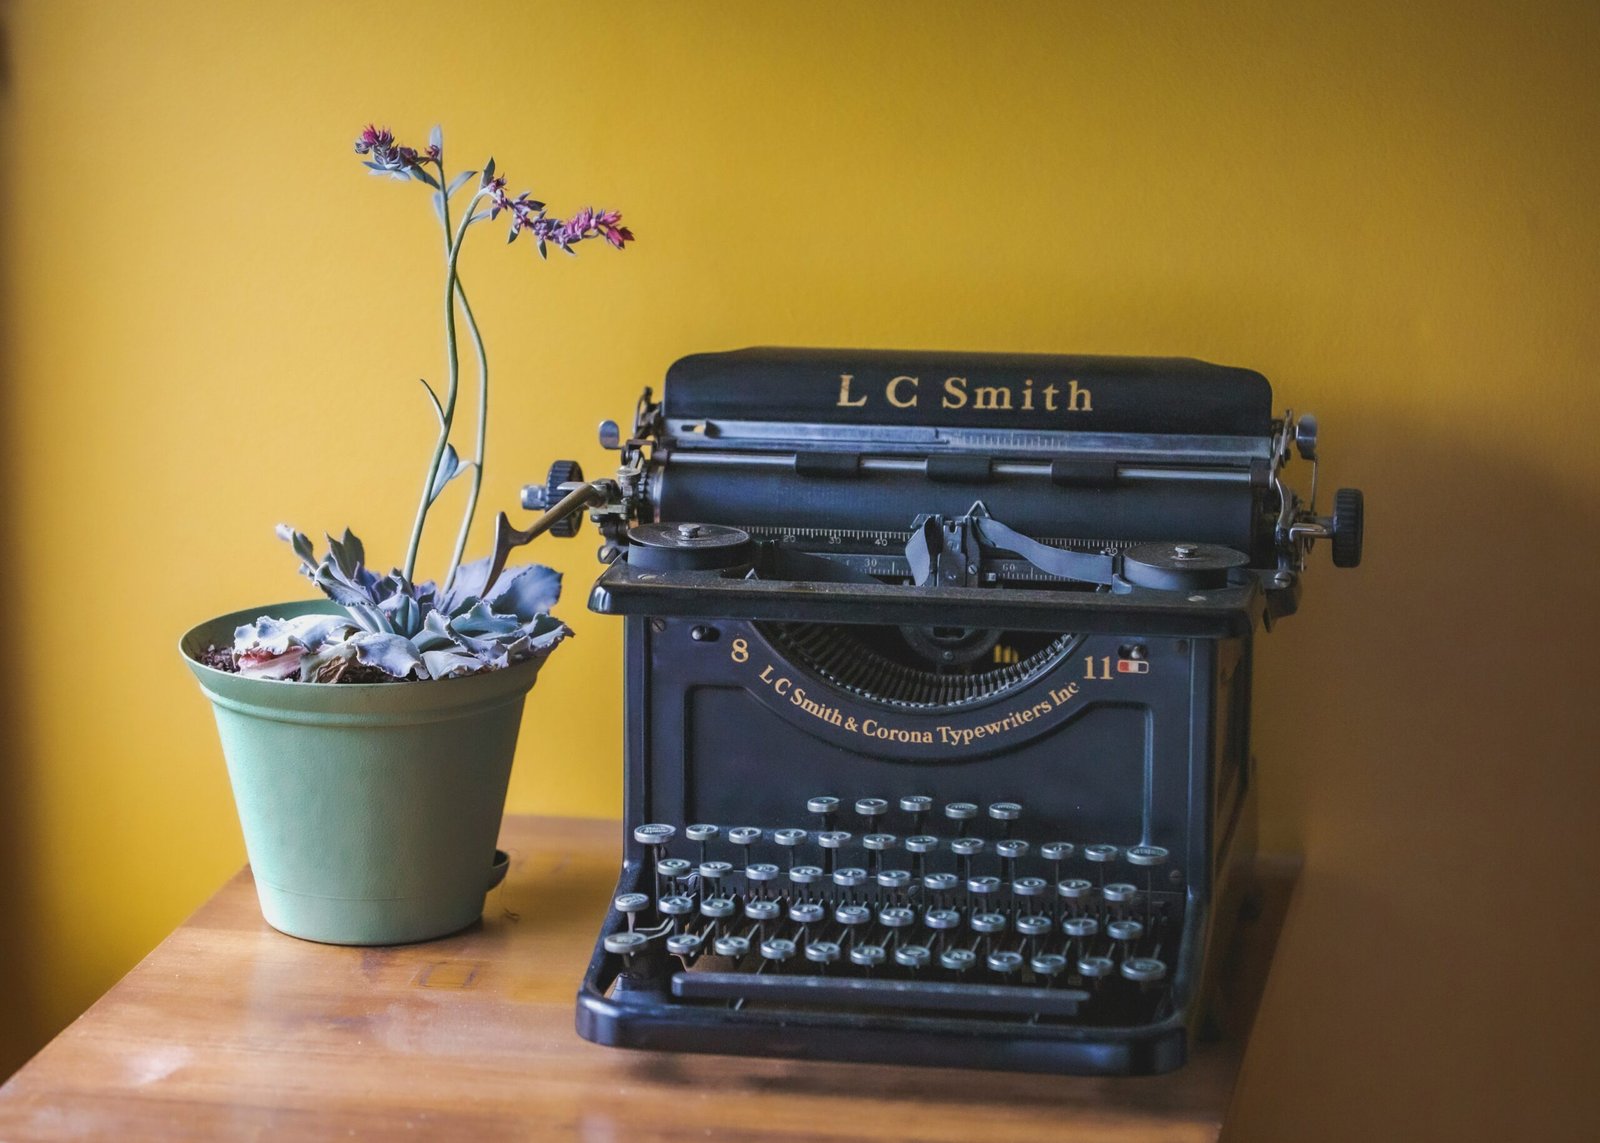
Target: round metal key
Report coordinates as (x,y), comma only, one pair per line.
(966,846)
(777,948)
(683,944)
(957,960)
(961,811)
(1048,964)
(852,915)
(700,832)
(1074,888)
(716,907)
(921,843)
(988,923)
(983,886)
(1034,925)
(1011,848)
(715,870)
(822,805)
(912,956)
(806,912)
(895,917)
(626,944)
(833,839)
(1056,850)
(871,807)
(1029,886)
(676,905)
(1100,854)
(1143,969)
(940,882)
(761,871)
(632,903)
(744,835)
(1095,967)
(731,946)
(850,877)
(894,878)
(1147,855)
(878,842)
(1120,892)
(674,867)
(868,956)
(806,874)
(1080,926)
(822,952)
(789,837)
(762,910)
(1124,930)
(1005,811)
(941,919)
(655,833)
(1004,962)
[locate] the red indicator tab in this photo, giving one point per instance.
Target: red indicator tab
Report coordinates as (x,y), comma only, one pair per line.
(1132,667)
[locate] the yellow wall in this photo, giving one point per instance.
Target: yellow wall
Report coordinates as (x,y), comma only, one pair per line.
(213,321)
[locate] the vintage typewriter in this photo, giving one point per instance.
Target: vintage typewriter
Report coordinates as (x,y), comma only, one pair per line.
(937,691)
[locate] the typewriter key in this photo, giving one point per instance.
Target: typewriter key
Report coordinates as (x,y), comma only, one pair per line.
(1095,967)
(673,868)
(941,919)
(872,809)
(1007,812)
(743,836)
(825,807)
(980,889)
(1148,856)
(1034,925)
(626,945)
(831,840)
(777,949)
(850,877)
(920,844)
(655,833)
(630,904)
(806,912)
(917,805)
(1080,927)
(1074,889)
(1048,965)
(1119,892)
(958,960)
(895,917)
(1029,886)
(734,947)
(852,915)
(1124,930)
(789,839)
(823,952)
(1100,854)
(875,844)
(683,944)
(1011,851)
(867,956)
(962,813)
(675,906)
(966,848)
(762,910)
(939,884)
(988,923)
(759,874)
(714,871)
(1005,962)
(806,874)
(1143,969)
(702,834)
(912,956)
(894,880)
(716,908)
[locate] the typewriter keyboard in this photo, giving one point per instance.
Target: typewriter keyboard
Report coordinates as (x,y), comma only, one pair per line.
(957,913)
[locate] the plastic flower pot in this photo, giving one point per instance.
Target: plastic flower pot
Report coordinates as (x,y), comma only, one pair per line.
(370,811)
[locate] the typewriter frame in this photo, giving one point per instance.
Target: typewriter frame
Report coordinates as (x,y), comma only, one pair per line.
(1211,630)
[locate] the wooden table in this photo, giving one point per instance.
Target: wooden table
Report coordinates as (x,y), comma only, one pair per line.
(232,1030)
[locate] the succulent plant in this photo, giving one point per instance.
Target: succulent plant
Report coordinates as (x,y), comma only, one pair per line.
(393,626)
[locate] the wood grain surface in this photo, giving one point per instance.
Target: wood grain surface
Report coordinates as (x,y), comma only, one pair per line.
(231,1030)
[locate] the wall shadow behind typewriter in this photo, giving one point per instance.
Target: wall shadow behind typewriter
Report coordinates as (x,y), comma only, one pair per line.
(1423,727)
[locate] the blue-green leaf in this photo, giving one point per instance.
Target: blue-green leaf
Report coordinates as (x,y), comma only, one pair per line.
(459,181)
(449,469)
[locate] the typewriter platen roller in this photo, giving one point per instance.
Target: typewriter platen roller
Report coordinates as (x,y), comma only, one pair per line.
(937,690)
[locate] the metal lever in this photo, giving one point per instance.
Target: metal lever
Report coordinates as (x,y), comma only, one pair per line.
(576,498)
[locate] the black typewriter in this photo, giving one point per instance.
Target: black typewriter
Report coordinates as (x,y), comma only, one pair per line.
(937,690)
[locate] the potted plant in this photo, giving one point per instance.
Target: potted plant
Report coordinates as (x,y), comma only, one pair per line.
(369,736)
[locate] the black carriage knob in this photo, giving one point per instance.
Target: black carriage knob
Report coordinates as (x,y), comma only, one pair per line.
(544,498)
(1347,521)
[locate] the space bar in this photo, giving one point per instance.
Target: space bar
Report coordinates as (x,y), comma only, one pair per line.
(839,992)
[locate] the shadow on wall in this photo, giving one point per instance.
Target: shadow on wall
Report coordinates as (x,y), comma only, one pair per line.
(18,1023)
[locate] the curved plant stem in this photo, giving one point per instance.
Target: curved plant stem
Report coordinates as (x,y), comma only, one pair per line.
(454,362)
(483,423)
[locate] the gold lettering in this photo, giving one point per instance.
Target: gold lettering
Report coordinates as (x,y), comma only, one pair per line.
(991,397)
(782,686)
(955,393)
(892,391)
(844,401)
(1073,394)
(1050,392)
(1027,394)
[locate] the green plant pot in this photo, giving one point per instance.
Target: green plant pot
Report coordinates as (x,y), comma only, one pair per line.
(370,810)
